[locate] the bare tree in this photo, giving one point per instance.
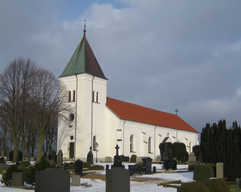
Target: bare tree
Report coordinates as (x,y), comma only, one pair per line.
(16,82)
(46,105)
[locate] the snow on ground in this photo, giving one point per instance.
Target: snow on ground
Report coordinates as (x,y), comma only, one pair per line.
(99,185)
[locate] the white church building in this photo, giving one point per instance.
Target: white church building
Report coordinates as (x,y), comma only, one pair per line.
(101,123)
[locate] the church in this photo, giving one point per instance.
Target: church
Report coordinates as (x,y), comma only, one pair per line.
(99,123)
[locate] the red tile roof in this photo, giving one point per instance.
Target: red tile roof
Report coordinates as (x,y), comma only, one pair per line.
(132,112)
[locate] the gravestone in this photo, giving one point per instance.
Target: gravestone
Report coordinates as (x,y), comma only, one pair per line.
(117,180)
(108,159)
(139,159)
(90,156)
(238,181)
(125,158)
(2,166)
(17,179)
(52,179)
(219,170)
(54,156)
(78,167)
(147,164)
(192,157)
(117,159)
(60,159)
(51,162)
(170,164)
(75,180)
(154,169)
(133,169)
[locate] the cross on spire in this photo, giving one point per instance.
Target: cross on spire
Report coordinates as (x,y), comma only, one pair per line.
(84,27)
(176,111)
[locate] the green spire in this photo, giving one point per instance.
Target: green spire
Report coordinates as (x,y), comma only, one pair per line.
(83,61)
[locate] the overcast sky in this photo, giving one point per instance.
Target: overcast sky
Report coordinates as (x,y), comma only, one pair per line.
(162,54)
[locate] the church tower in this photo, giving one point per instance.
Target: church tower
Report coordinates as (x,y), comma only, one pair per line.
(85,85)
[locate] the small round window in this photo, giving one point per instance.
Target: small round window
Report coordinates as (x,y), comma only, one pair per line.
(71,117)
(72,137)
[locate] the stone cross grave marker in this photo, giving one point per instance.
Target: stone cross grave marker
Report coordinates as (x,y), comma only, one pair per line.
(117,160)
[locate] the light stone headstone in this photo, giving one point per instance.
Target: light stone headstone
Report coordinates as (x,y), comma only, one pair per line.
(75,180)
(17,179)
(192,158)
(138,159)
(108,159)
(60,159)
(219,170)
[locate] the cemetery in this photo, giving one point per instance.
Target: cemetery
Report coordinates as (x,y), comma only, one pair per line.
(169,174)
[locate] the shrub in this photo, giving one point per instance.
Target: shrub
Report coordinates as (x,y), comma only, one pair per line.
(191,167)
(29,175)
(182,156)
(72,165)
(213,165)
(162,147)
(86,165)
(2,160)
(7,177)
(133,158)
(193,187)
(96,167)
(199,156)
(24,164)
(217,185)
(176,147)
(196,148)
(20,156)
(202,172)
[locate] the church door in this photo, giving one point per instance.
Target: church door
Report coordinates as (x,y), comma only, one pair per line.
(71,150)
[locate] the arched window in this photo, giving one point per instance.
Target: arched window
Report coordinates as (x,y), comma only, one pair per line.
(149,145)
(132,143)
(95,143)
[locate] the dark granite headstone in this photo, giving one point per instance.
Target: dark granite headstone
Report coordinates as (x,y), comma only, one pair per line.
(90,156)
(154,169)
(170,164)
(117,180)
(125,158)
(78,167)
(147,164)
(50,180)
(107,167)
(17,179)
(133,169)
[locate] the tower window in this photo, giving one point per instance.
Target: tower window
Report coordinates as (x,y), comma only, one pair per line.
(69,96)
(97,97)
(73,95)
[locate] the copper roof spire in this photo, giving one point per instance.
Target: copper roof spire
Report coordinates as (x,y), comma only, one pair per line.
(84,28)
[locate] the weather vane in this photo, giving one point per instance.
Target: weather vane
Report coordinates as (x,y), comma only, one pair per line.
(84,27)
